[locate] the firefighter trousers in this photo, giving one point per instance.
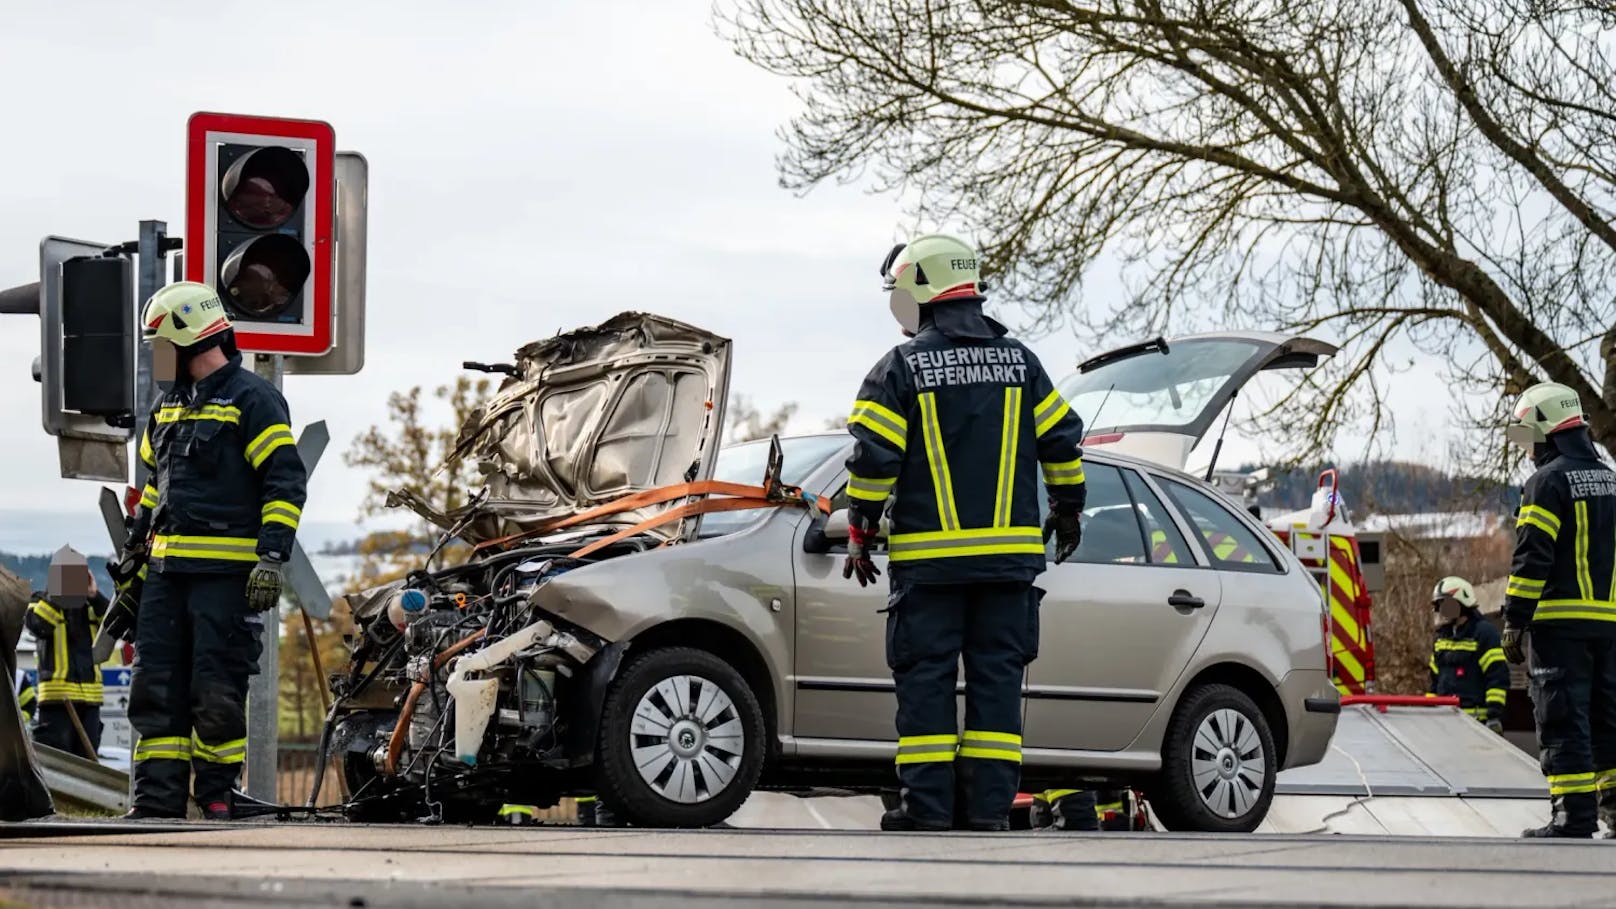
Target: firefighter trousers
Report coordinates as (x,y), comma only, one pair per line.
(196,645)
(1574,704)
(993,625)
(53,726)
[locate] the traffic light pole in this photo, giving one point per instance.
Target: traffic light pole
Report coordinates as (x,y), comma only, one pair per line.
(263,690)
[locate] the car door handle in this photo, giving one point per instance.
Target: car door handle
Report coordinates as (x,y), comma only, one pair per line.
(1183,599)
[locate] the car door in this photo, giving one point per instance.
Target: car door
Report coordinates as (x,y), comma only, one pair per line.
(1120,619)
(844,689)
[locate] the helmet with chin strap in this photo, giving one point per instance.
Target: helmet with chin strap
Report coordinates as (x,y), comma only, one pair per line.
(927,270)
(184,314)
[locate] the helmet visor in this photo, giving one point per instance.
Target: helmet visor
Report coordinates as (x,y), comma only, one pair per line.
(1523,435)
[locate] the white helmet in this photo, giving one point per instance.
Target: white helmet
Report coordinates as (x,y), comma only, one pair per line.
(184,313)
(1455,588)
(928,270)
(1543,409)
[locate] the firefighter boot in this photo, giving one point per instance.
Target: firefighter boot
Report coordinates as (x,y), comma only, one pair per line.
(1575,817)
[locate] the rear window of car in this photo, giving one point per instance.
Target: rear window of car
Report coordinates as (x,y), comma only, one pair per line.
(1227,540)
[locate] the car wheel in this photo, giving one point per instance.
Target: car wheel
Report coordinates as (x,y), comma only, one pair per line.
(1218,764)
(681,740)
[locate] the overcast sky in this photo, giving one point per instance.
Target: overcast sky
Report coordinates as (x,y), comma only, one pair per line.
(534,166)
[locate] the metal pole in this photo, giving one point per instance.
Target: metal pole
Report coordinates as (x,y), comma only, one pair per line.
(263,691)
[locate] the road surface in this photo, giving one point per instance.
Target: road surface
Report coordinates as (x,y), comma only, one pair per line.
(132,866)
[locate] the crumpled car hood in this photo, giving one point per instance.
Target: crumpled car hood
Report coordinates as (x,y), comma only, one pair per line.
(632,404)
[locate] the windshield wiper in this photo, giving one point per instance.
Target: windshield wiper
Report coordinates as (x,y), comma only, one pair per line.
(1159,345)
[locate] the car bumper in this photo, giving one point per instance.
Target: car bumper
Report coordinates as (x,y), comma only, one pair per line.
(1312,706)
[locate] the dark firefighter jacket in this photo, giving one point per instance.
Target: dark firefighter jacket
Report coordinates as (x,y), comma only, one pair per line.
(64,639)
(1468,662)
(1565,543)
(954,431)
(227,483)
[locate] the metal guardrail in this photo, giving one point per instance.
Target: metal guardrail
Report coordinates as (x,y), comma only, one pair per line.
(85,785)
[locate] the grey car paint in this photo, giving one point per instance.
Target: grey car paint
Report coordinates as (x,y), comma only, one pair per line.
(1115,657)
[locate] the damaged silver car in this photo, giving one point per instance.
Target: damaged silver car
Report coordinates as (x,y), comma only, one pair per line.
(652,618)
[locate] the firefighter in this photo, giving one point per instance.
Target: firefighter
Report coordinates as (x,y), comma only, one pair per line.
(63,621)
(1562,590)
(951,424)
(216,524)
(1082,809)
(1467,660)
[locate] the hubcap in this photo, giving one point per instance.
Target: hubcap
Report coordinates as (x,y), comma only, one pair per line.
(1227,763)
(687,739)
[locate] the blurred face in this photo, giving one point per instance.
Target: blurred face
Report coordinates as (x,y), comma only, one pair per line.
(165,360)
(1448,610)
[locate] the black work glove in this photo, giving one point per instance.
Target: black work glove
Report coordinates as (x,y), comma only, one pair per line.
(264,586)
(860,537)
(1065,524)
(1511,645)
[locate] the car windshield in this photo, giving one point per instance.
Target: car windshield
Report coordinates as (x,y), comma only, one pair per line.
(1159,390)
(745,463)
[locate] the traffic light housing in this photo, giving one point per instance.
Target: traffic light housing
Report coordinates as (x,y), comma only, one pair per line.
(259,227)
(98,337)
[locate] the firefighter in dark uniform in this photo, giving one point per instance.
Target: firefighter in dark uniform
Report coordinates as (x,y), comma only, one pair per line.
(1467,659)
(1082,809)
(952,424)
(63,622)
(1561,594)
(217,522)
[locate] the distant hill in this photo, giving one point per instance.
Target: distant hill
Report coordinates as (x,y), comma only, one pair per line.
(1394,487)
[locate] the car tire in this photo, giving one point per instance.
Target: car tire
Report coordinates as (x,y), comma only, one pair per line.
(709,727)
(1218,764)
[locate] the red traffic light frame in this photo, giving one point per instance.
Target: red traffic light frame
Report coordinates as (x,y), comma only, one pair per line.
(205,132)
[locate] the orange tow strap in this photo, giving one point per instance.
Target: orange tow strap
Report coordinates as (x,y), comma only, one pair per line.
(706,506)
(754,496)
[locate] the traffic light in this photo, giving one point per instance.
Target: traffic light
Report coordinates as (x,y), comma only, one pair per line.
(259,227)
(98,337)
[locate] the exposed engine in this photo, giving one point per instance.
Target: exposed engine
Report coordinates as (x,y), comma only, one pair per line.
(456,693)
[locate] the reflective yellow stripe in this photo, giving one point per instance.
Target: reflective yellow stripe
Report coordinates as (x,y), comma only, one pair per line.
(1433,664)
(280,512)
(1585,581)
(1571,783)
(1605,779)
(232,549)
(174,748)
(148,496)
(586,799)
(147,456)
(1539,517)
(260,448)
(1589,610)
(1050,795)
(990,746)
(956,543)
(1497,695)
(46,611)
(217,412)
(231,752)
(1449,644)
(1492,657)
(79,692)
(942,481)
(1523,588)
(1009,439)
(1049,412)
(869,490)
(1064,473)
(926,749)
(880,420)
(518,811)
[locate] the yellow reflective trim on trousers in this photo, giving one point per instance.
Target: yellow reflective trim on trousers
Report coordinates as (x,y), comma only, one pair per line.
(1491,657)
(1585,581)
(990,754)
(869,490)
(1523,588)
(926,749)
(1588,610)
(1009,438)
(1605,779)
(1497,696)
(942,481)
(231,752)
(220,413)
(1064,473)
(46,611)
(1571,783)
(882,421)
(518,811)
(273,437)
(1539,517)
(232,549)
(1050,795)
(959,543)
(990,746)
(172,748)
(1049,412)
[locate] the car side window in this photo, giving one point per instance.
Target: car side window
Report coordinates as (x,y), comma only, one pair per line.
(1167,545)
(1231,545)
(1110,531)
